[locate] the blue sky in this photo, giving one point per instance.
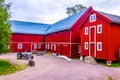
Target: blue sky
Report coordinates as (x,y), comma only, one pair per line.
(51,11)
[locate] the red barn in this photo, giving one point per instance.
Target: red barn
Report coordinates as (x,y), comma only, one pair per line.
(100,35)
(63,36)
(27,36)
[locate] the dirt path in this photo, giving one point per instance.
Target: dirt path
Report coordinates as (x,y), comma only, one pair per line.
(51,68)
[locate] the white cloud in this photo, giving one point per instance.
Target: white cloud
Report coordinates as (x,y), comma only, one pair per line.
(50,11)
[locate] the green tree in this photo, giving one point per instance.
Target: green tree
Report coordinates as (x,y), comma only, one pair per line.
(5,31)
(74,9)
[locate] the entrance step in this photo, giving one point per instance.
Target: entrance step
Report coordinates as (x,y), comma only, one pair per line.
(90,60)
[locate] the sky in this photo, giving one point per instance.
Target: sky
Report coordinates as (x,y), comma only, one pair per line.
(51,11)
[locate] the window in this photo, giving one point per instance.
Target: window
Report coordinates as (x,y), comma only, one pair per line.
(19,46)
(79,51)
(35,46)
(99,46)
(46,46)
(86,30)
(99,28)
(54,47)
(92,17)
(86,45)
(39,46)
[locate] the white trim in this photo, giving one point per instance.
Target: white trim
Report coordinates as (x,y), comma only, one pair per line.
(35,46)
(99,43)
(94,42)
(47,42)
(86,31)
(62,43)
(55,47)
(48,46)
(91,18)
(39,46)
(19,46)
(100,25)
(86,45)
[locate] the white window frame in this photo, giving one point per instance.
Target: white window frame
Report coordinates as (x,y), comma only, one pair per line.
(46,46)
(86,47)
(92,18)
(39,46)
(35,46)
(86,30)
(99,43)
(19,45)
(98,26)
(54,47)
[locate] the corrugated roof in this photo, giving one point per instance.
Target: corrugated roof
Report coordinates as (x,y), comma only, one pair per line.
(65,23)
(113,18)
(28,27)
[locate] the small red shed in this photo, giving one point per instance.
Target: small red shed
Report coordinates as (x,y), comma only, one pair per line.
(27,36)
(100,35)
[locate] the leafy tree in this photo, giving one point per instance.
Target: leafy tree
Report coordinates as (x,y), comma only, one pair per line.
(74,9)
(5,31)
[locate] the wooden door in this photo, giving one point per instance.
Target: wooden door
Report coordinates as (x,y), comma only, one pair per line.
(92,41)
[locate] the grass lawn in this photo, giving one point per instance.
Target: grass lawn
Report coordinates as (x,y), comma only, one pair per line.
(115,64)
(7,68)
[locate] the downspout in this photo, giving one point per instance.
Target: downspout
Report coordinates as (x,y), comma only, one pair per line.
(70,42)
(44,42)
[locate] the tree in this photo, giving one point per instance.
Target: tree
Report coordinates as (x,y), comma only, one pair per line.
(74,9)
(5,31)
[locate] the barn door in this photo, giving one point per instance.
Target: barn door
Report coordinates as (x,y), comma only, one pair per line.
(92,41)
(33,46)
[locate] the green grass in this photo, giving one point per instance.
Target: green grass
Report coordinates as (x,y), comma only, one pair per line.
(115,64)
(7,68)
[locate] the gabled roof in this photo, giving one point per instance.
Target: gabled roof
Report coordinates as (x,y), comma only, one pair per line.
(113,18)
(28,27)
(65,23)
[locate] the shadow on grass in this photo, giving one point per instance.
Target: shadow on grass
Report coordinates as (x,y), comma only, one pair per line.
(114,63)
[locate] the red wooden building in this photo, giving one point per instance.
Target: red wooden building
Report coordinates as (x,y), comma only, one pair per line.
(27,36)
(100,35)
(63,36)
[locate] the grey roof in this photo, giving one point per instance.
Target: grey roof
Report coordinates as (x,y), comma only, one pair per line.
(28,27)
(65,23)
(113,18)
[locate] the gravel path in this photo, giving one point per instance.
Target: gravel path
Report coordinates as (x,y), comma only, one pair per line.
(48,67)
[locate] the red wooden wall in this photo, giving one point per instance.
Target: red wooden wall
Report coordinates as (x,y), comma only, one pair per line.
(114,38)
(27,41)
(60,40)
(103,37)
